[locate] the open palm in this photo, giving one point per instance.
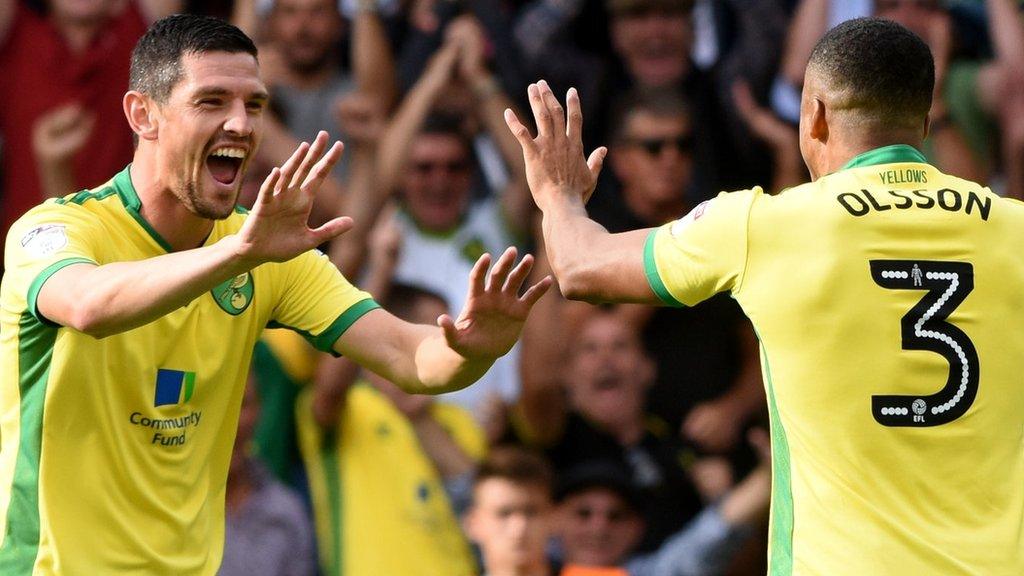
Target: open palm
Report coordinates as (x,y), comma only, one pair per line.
(278,229)
(494,313)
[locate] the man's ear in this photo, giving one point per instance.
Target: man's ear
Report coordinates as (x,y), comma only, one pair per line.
(141,112)
(819,122)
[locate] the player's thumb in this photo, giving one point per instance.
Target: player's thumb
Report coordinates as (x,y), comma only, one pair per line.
(596,160)
(447,325)
(332,229)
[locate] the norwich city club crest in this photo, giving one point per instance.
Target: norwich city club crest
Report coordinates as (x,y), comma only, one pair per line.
(234,295)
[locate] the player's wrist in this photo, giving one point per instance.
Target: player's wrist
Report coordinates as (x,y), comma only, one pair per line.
(557,201)
(237,255)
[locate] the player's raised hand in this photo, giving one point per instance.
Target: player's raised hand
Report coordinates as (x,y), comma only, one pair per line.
(555,164)
(278,226)
(494,313)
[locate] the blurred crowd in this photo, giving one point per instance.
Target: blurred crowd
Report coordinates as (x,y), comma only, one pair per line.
(611,440)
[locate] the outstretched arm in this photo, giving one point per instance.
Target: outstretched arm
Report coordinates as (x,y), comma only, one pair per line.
(589,263)
(126,295)
(457,352)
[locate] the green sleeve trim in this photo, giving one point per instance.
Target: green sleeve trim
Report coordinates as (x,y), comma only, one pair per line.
(325,341)
(653,277)
(41,278)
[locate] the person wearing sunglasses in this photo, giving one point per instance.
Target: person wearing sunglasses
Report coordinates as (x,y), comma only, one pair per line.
(708,377)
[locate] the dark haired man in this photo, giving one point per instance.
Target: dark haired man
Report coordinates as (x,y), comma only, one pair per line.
(129,314)
(510,516)
(886,296)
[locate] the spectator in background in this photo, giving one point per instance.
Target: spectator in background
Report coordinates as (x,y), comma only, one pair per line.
(511,520)
(64,73)
(653,41)
(426,157)
(388,471)
(267,529)
(302,65)
(510,515)
(599,522)
(709,378)
(596,411)
(651,44)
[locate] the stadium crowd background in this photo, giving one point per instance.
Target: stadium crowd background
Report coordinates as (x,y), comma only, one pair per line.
(611,436)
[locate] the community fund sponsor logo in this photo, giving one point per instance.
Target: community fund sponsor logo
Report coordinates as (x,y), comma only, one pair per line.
(172,388)
(234,295)
(45,239)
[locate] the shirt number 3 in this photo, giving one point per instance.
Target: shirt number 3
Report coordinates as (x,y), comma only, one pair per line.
(924,327)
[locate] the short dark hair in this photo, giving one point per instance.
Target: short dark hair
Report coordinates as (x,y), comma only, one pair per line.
(518,466)
(661,102)
(156,60)
(445,123)
(886,71)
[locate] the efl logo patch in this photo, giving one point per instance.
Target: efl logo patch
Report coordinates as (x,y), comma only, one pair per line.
(173,387)
(234,295)
(45,239)
(683,223)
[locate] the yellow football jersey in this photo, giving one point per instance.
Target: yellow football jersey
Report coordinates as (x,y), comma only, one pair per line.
(379,503)
(114,453)
(887,299)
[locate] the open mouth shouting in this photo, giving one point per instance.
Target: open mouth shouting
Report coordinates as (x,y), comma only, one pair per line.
(225,164)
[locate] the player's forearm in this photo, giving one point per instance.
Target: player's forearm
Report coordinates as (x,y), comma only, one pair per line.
(440,369)
(125,295)
(588,262)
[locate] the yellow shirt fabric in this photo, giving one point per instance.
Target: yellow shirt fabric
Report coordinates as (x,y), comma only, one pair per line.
(114,453)
(379,503)
(887,299)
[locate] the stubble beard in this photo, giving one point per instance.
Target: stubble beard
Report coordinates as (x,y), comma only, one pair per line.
(190,197)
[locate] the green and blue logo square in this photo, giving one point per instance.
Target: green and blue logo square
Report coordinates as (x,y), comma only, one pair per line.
(173,387)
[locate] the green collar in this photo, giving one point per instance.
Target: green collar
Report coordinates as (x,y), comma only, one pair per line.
(886,155)
(132,203)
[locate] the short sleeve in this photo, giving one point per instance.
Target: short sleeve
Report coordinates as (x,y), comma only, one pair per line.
(48,238)
(317,301)
(701,254)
